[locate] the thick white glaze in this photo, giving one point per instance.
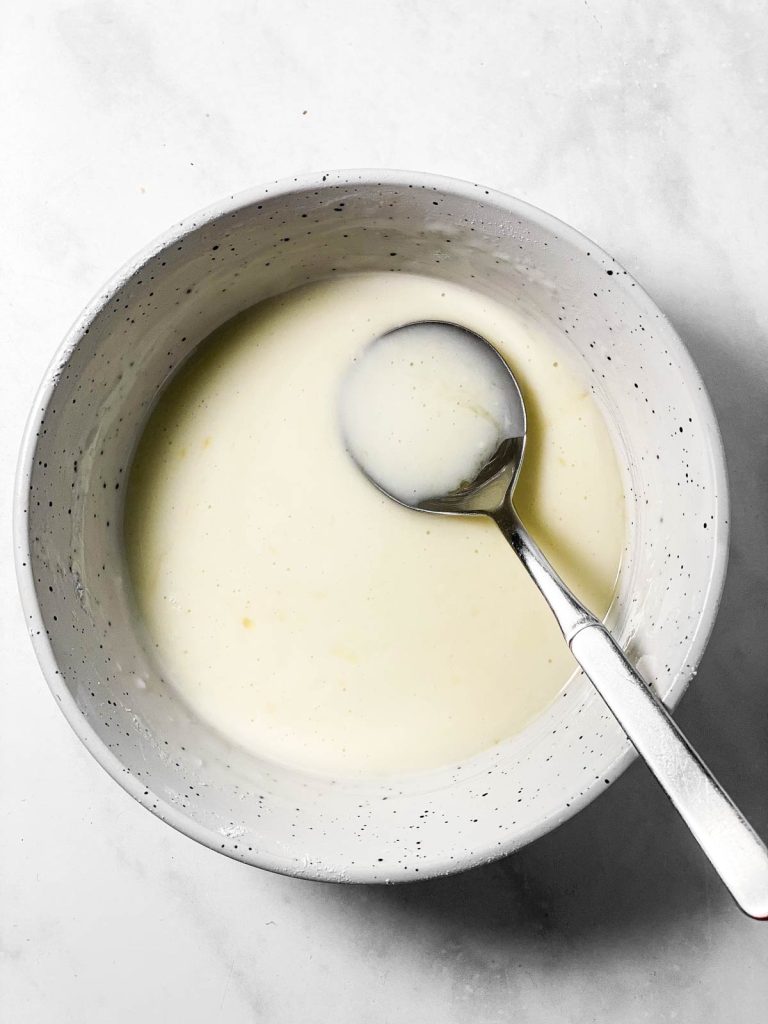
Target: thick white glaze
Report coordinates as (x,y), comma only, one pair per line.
(307,616)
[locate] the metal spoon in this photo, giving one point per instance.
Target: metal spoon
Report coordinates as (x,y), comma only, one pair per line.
(733,847)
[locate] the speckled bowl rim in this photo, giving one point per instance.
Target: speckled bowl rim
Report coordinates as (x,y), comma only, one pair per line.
(284,187)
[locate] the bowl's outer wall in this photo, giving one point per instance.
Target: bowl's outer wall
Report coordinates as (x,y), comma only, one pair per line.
(90,413)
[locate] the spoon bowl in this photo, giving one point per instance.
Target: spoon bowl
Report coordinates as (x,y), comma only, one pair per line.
(402,354)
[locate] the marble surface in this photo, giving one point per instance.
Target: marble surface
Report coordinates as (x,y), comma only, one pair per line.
(643,124)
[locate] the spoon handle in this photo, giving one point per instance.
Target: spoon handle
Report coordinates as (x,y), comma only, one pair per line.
(735,850)
(733,847)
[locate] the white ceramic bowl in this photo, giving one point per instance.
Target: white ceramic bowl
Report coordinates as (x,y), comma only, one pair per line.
(91,409)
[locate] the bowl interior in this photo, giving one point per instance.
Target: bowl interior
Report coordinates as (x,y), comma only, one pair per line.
(87,422)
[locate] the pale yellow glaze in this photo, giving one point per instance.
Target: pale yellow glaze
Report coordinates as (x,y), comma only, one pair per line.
(311,619)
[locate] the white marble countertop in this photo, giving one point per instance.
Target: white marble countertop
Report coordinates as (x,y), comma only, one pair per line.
(641,123)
